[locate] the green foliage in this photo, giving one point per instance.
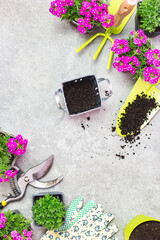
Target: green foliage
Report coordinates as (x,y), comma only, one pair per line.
(5,156)
(149,12)
(49,212)
(14,222)
(141,56)
(73,12)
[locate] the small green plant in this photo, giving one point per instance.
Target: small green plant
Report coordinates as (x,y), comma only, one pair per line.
(49,211)
(149,12)
(5,155)
(13,222)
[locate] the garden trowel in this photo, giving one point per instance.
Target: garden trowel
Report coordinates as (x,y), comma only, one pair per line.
(139,87)
(122,11)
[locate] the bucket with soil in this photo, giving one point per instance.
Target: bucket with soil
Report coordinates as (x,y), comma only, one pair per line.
(142,228)
(81,95)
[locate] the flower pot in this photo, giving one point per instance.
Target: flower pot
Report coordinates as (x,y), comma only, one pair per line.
(136,222)
(137,25)
(40,195)
(17,212)
(81,95)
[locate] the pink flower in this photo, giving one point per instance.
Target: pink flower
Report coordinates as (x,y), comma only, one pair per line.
(81,29)
(19,138)
(64,10)
(80,21)
(25,142)
(120,46)
(151,75)
(5,236)
(95,18)
(14,234)
(156,62)
(25,232)
(2,226)
(138,42)
(29,234)
(138,50)
(156,51)
(120,69)
(6,179)
(1,180)
(19,237)
(8,173)
(90,26)
(18,152)
(82,11)
(133,71)
(71,3)
(86,4)
(132,33)
(88,15)
(14,174)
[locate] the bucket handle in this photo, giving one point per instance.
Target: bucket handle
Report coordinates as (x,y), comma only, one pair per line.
(110,88)
(59,91)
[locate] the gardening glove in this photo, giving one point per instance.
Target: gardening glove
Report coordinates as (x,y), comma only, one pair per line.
(91,225)
(71,216)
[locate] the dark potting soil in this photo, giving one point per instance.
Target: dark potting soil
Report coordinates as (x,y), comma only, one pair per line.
(80,97)
(146,231)
(136,113)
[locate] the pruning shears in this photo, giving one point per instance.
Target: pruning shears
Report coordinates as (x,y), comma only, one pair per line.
(20,182)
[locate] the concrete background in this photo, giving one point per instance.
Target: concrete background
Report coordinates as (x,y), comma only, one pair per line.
(37,54)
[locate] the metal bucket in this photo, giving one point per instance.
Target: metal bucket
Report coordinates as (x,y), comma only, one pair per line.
(74,86)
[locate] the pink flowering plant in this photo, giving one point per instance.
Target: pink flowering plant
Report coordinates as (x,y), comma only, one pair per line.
(136,57)
(13,226)
(9,148)
(87,14)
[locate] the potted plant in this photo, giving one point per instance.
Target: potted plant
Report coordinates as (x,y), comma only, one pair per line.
(14,226)
(85,14)
(148,17)
(136,57)
(142,227)
(10,147)
(53,205)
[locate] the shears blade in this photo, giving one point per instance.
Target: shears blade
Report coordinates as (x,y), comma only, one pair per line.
(40,170)
(48,184)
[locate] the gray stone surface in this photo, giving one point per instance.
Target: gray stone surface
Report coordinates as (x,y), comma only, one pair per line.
(37,54)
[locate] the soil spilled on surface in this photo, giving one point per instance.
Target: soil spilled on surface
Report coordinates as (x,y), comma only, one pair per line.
(146,231)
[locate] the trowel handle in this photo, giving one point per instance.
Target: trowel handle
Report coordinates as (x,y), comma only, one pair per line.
(59,91)
(125,8)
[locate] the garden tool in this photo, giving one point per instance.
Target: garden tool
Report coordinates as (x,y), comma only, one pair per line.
(92,224)
(122,10)
(135,222)
(21,181)
(139,87)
